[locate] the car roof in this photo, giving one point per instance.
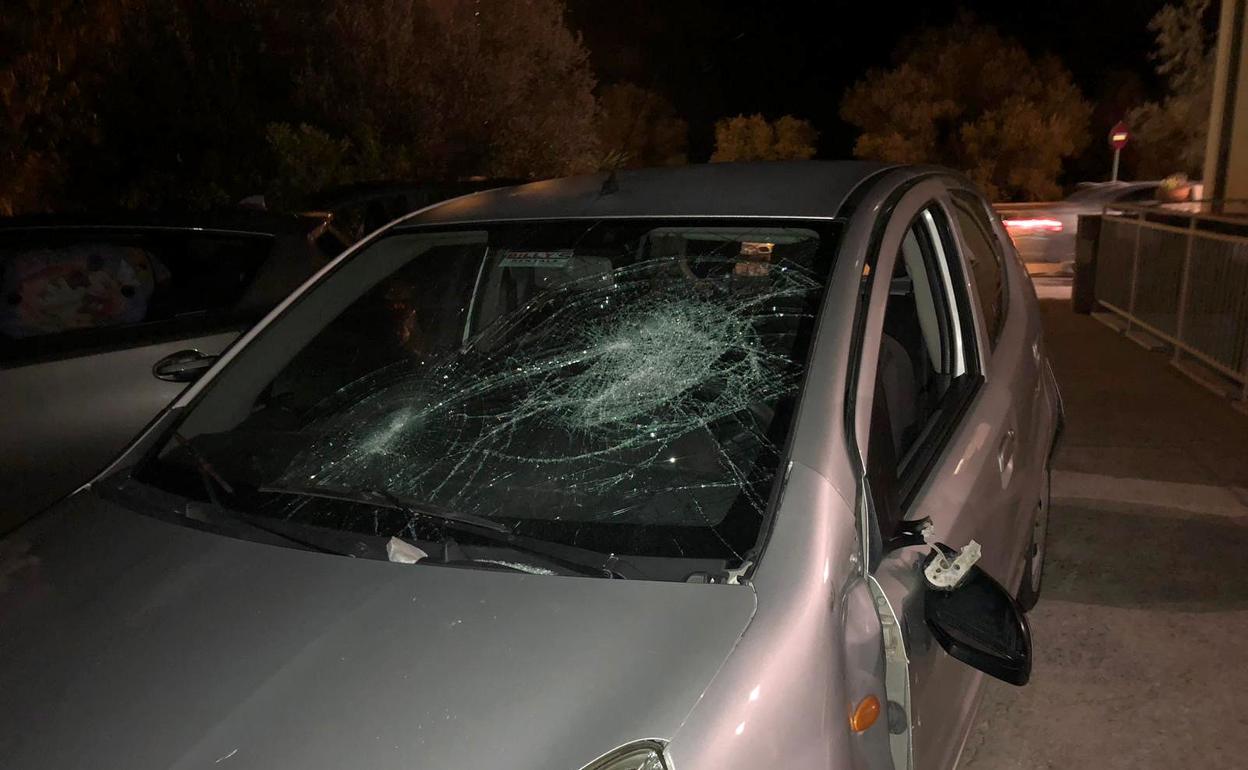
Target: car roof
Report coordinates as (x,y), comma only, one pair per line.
(800,189)
(239,221)
(1097,190)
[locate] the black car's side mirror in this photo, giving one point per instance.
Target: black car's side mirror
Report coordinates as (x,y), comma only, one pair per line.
(981,624)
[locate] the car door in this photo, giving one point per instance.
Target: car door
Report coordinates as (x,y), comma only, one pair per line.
(1017,363)
(936,419)
(93,322)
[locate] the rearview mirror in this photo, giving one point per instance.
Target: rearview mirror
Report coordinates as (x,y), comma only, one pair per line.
(982,625)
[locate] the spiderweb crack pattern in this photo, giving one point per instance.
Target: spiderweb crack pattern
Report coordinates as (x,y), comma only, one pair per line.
(641,396)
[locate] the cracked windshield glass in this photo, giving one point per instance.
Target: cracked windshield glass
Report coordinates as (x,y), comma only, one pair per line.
(617,387)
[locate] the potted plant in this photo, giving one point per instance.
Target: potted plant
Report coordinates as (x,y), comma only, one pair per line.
(1175,188)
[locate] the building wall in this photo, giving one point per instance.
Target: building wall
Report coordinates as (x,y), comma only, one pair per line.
(1226,154)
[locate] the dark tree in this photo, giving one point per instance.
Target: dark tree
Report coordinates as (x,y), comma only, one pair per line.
(54,57)
(640,128)
(968,97)
(1171,133)
(198,103)
(753,137)
(418,89)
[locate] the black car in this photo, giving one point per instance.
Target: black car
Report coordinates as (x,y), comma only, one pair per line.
(103,320)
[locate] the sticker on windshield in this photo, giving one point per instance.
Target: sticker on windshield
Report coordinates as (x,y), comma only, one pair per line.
(551,260)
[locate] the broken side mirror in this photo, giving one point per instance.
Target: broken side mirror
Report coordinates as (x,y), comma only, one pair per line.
(979,623)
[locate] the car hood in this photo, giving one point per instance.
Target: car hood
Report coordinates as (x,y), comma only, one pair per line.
(131,642)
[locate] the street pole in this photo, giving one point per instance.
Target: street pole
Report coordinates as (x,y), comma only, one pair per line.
(1118,136)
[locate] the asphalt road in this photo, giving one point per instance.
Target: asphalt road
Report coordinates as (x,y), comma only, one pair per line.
(1140,633)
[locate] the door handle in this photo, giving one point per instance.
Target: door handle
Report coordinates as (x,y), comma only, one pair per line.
(1005,455)
(183,366)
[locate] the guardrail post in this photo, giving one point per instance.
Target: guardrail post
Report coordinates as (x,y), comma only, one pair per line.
(1135,269)
(1183,278)
(1243,371)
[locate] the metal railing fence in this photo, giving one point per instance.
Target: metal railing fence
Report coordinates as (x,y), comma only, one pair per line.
(1181,276)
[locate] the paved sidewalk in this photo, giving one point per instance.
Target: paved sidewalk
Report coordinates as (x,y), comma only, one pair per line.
(1140,633)
(1131,415)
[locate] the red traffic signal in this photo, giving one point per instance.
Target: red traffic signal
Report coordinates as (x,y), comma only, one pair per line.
(1118,135)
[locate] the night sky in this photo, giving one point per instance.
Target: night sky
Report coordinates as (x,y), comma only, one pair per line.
(715,58)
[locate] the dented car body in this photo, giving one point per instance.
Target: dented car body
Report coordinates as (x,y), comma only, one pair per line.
(646,471)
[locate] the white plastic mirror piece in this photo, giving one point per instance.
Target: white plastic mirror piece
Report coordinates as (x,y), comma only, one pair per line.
(402,552)
(945,574)
(735,575)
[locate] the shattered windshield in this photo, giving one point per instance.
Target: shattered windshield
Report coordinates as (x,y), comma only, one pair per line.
(621,386)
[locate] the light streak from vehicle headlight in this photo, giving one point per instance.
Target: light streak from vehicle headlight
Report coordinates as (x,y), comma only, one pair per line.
(1034,225)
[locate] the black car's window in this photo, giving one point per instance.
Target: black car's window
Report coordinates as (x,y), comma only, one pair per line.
(53,283)
(924,374)
(624,386)
(89,285)
(67,287)
(984,254)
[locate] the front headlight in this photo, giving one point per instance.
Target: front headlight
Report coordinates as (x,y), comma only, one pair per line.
(644,755)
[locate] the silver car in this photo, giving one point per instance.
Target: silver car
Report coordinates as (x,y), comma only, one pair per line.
(724,466)
(1045,232)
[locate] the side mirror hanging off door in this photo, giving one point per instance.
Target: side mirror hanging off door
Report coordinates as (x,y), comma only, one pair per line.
(980,623)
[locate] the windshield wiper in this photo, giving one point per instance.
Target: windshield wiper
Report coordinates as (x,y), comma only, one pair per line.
(217,513)
(572,557)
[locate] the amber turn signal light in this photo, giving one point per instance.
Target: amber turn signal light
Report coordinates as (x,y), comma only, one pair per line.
(864,714)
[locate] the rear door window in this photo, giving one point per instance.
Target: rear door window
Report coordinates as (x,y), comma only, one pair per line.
(985,259)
